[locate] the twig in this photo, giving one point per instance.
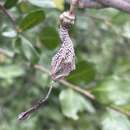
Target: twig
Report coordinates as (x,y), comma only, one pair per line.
(122,5)
(91,4)
(119,110)
(6,53)
(66,83)
(80,90)
(26,114)
(97,17)
(73,6)
(8,15)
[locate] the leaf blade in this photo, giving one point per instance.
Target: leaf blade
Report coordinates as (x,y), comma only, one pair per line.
(32,19)
(10,3)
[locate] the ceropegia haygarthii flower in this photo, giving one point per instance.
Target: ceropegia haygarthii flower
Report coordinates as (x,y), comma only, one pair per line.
(63,61)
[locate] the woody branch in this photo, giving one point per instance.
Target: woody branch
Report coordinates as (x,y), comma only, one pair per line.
(122,5)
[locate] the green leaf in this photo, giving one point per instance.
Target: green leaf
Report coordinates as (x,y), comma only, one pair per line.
(72,103)
(49,37)
(59,4)
(115,120)
(24,7)
(42,3)
(32,19)
(28,49)
(114,90)
(120,18)
(9,33)
(11,71)
(126,32)
(84,72)
(16,44)
(10,3)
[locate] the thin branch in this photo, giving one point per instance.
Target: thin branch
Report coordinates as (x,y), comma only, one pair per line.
(80,90)
(73,6)
(3,9)
(6,53)
(119,110)
(91,4)
(103,19)
(121,5)
(26,114)
(67,84)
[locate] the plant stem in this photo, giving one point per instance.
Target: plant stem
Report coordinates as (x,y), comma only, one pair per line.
(3,9)
(66,83)
(80,90)
(24,115)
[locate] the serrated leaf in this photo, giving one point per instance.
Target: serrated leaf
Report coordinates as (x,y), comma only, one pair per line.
(49,37)
(72,103)
(11,71)
(84,72)
(115,120)
(10,3)
(31,20)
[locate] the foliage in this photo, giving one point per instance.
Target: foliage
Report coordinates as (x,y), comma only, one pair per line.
(102,43)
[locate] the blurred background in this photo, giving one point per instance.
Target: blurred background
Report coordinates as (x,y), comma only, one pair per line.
(29,36)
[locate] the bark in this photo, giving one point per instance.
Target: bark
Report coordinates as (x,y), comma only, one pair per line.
(123,5)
